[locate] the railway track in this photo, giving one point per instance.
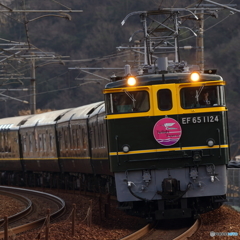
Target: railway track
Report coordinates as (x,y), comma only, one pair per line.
(155,232)
(33,216)
(27,210)
(152,231)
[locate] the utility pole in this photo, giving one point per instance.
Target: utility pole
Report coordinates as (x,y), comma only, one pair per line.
(200,43)
(176,38)
(33,89)
(33,57)
(146,50)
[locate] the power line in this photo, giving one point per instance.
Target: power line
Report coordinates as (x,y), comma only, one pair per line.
(174,3)
(62,5)
(160,4)
(62,89)
(107,57)
(231,13)
(7,15)
(207,28)
(53,77)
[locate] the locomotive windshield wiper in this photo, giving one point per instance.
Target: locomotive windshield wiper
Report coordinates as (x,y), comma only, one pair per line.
(198,92)
(131,97)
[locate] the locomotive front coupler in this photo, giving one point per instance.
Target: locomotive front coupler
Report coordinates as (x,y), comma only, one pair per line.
(171,189)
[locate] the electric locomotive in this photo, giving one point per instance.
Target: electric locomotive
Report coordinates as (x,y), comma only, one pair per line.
(167,149)
(161,135)
(167,126)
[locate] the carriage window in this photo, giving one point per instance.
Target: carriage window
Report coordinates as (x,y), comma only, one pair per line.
(200,97)
(127,102)
(44,143)
(5,143)
(40,142)
(24,143)
(84,139)
(164,99)
(51,141)
(74,139)
(78,138)
(71,138)
(66,139)
(2,142)
(101,135)
(94,136)
(9,144)
(30,142)
(36,141)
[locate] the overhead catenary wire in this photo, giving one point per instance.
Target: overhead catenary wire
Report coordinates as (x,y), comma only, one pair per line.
(230,14)
(13,98)
(205,30)
(62,4)
(160,4)
(2,5)
(11,41)
(95,59)
(174,3)
(107,57)
(48,80)
(7,15)
(197,4)
(30,46)
(62,89)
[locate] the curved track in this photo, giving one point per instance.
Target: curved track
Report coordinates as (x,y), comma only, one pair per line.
(37,223)
(151,231)
(26,201)
(190,231)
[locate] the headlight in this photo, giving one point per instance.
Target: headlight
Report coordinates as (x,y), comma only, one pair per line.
(126,148)
(131,81)
(210,142)
(195,76)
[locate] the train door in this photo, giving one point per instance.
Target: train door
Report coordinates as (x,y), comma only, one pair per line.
(164,100)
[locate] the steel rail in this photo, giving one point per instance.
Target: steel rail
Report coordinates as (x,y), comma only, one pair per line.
(138,234)
(39,222)
(146,229)
(22,213)
(190,231)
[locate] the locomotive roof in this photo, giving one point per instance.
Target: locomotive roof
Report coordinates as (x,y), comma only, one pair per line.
(81,112)
(47,118)
(166,78)
(12,123)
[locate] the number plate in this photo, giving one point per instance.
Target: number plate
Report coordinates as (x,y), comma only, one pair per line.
(201,119)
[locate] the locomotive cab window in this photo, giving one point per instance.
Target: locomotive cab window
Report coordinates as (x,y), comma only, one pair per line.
(201,97)
(164,99)
(127,102)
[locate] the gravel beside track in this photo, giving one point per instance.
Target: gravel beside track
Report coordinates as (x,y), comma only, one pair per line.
(222,220)
(118,224)
(10,206)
